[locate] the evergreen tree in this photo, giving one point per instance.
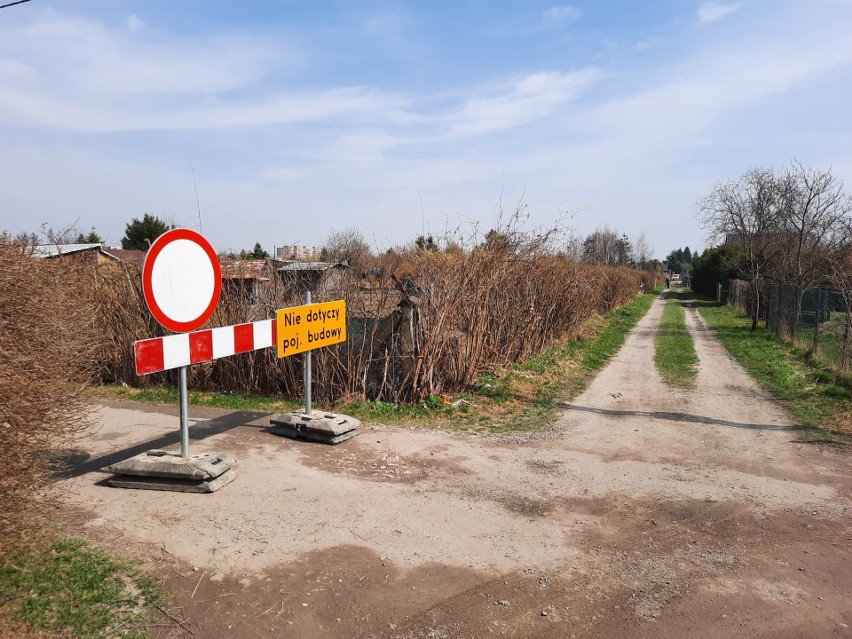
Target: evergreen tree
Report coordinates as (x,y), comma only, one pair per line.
(426,243)
(91,237)
(140,234)
(258,253)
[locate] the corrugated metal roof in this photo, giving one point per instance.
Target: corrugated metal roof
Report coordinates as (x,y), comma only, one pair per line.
(52,250)
(305,266)
(244,270)
(127,255)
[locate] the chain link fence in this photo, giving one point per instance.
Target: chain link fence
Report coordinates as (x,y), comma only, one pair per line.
(816,318)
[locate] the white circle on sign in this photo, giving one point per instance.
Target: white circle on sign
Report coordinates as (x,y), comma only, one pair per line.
(183,280)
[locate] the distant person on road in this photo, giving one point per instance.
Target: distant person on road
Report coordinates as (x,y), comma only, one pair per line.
(668,282)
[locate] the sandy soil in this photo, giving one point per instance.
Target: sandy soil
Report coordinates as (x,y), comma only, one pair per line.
(642,512)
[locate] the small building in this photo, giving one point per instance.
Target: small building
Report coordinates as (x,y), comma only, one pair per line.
(86,253)
(299,277)
(297,252)
(246,278)
(92,253)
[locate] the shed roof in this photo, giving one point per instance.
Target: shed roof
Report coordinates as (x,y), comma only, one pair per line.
(127,255)
(312,266)
(54,250)
(244,270)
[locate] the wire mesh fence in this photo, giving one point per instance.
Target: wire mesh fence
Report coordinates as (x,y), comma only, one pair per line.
(815,318)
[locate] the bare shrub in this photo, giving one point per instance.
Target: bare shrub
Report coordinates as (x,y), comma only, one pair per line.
(347,245)
(419,322)
(47,342)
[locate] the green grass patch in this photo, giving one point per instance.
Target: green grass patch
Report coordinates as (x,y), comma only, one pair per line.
(818,398)
(170,395)
(675,355)
(521,397)
(75,590)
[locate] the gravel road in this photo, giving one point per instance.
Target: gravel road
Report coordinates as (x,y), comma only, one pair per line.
(642,511)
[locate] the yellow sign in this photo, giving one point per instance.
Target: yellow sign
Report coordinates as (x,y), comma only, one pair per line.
(304,328)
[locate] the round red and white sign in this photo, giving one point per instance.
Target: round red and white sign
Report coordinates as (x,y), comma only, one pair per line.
(181,280)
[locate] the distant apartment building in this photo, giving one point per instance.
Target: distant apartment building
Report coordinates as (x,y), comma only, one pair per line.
(296,252)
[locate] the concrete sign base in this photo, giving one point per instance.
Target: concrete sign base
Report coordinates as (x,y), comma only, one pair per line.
(162,470)
(319,426)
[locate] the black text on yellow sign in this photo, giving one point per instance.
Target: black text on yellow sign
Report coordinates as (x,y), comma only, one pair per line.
(304,328)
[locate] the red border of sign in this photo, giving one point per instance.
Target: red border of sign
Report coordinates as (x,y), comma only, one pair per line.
(156,248)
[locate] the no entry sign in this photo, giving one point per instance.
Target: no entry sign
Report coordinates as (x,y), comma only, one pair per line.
(181,280)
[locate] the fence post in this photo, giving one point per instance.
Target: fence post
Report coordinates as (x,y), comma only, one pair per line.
(817,311)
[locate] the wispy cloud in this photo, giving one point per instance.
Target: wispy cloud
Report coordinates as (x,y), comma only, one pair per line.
(86,55)
(646,43)
(13,70)
(341,122)
(526,100)
(134,23)
(46,111)
(86,76)
(560,16)
(710,11)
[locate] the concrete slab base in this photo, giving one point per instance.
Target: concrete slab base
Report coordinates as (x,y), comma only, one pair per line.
(319,426)
(162,470)
(174,484)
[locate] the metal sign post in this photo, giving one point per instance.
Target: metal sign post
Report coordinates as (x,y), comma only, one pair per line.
(307,373)
(300,329)
(181,282)
(184,415)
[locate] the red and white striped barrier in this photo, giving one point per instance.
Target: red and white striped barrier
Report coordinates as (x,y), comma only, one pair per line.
(173,351)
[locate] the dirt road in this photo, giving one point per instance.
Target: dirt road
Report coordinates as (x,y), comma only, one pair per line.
(643,512)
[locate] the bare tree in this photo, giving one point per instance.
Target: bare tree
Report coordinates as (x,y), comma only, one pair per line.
(347,245)
(574,247)
(642,250)
(840,276)
(745,212)
(602,246)
(813,213)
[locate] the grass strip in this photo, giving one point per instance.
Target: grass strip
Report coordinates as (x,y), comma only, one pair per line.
(675,355)
(75,590)
(521,397)
(820,399)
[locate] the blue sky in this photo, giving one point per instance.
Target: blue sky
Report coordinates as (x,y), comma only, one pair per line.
(299,118)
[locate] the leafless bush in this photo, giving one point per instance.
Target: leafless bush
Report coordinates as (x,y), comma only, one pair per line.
(419,322)
(47,344)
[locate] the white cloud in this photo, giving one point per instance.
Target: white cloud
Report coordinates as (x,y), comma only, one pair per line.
(533,97)
(710,11)
(39,110)
(13,70)
(626,143)
(134,23)
(284,173)
(682,107)
(646,43)
(386,25)
(364,147)
(85,76)
(86,55)
(560,15)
